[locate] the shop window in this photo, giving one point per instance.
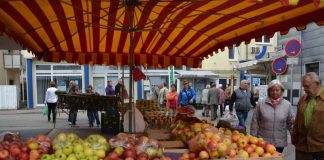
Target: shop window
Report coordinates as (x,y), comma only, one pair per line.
(42,85)
(66,67)
(99,85)
(312,67)
(63,82)
(263,39)
(43,67)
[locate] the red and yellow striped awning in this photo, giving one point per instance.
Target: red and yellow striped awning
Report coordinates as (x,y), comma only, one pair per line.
(168,32)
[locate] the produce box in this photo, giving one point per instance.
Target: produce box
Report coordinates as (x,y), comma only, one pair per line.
(164,138)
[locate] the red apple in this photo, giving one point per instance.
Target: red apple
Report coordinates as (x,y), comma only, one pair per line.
(24,149)
(261,143)
(112,156)
(34,155)
(14,150)
(270,148)
(24,156)
(254,155)
(235,137)
(253,140)
(212,145)
(242,142)
(249,149)
(4,154)
(232,153)
(129,152)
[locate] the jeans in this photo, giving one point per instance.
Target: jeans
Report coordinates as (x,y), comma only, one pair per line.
(242,115)
(207,108)
(309,155)
(222,109)
(73,116)
(51,108)
(92,117)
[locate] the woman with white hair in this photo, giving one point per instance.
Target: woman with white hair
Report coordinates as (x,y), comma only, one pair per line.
(273,117)
(204,101)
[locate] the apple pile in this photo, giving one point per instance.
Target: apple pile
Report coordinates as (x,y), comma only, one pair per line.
(182,130)
(215,143)
(131,147)
(70,147)
(12,148)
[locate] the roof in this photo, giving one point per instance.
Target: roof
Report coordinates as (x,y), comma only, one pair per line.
(157,33)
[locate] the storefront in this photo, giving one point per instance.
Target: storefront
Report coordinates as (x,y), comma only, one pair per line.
(62,74)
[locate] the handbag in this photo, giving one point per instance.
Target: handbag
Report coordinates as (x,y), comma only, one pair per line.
(45,110)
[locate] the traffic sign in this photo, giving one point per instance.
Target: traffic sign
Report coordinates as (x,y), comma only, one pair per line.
(279,66)
(293,48)
(293,60)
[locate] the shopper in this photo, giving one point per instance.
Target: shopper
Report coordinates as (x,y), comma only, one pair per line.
(51,101)
(187,95)
(213,101)
(204,101)
(172,99)
(109,89)
(73,109)
(162,95)
(273,117)
(308,130)
(92,113)
(243,99)
(221,101)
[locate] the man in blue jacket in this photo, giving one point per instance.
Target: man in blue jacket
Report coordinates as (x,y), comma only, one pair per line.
(187,95)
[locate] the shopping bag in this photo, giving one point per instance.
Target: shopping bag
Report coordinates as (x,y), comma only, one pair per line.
(231,118)
(45,110)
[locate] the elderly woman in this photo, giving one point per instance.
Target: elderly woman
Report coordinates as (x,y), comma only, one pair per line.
(273,117)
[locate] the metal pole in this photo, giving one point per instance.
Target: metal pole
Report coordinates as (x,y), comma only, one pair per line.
(292,85)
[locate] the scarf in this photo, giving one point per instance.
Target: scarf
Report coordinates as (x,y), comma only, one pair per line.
(275,102)
(308,113)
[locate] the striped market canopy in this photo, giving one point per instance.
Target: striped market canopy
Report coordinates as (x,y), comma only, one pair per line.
(156,32)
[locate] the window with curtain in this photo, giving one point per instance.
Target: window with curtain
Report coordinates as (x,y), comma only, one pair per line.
(42,85)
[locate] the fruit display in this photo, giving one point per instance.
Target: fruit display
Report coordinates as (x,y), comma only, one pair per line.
(188,128)
(213,143)
(12,148)
(130,146)
(71,147)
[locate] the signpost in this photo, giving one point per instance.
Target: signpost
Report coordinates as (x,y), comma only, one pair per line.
(171,75)
(292,49)
(279,66)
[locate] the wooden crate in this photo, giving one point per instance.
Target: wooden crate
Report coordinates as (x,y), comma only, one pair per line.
(164,138)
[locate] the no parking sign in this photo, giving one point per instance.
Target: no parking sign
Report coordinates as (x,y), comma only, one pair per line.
(293,48)
(279,66)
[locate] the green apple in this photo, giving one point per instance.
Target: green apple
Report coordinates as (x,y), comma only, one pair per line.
(80,155)
(100,153)
(60,155)
(67,150)
(119,150)
(88,152)
(102,140)
(77,148)
(86,144)
(72,137)
(46,157)
(61,137)
(71,157)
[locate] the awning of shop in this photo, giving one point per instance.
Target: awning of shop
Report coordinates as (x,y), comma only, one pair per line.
(196,74)
(157,33)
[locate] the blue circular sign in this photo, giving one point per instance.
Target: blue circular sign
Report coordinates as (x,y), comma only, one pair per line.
(279,66)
